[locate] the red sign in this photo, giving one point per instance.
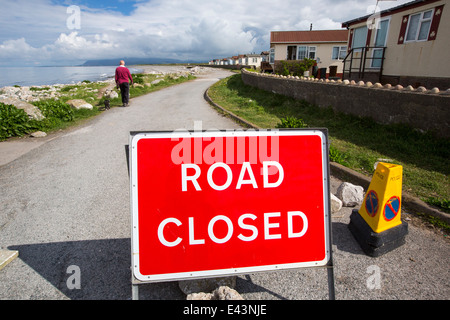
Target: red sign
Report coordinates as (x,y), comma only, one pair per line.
(221,203)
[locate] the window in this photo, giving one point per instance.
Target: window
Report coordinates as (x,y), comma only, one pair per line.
(312,52)
(339,53)
(382,30)
(359,37)
(306,52)
(302,52)
(272,56)
(419,26)
(380,41)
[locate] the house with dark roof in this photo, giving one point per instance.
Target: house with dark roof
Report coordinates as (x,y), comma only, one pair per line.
(407,44)
(327,47)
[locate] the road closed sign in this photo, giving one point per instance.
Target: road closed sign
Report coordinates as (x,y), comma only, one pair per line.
(217,203)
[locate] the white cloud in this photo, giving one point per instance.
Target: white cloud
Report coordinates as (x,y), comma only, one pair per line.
(73,45)
(202,29)
(18,48)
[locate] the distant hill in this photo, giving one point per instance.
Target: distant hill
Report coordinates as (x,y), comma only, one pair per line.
(134,61)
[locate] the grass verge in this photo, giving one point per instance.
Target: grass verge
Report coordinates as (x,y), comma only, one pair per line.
(356,143)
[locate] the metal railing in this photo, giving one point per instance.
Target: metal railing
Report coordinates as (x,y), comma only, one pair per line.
(357,60)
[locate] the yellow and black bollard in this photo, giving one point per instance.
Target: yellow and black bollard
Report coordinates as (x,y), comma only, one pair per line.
(377,226)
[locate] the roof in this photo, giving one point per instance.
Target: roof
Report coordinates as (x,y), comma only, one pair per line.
(313,36)
(400,8)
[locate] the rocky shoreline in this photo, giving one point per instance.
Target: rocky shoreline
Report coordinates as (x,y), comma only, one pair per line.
(23,97)
(35,93)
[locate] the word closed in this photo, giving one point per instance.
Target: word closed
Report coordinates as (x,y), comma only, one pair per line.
(209,218)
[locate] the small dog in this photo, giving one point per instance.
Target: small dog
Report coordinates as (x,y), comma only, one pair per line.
(107,106)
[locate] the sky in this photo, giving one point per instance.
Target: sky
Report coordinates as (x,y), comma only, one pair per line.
(69,32)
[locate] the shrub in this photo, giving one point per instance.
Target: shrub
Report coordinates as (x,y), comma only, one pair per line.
(68,88)
(13,122)
(292,122)
(293,67)
(138,78)
(55,109)
(337,156)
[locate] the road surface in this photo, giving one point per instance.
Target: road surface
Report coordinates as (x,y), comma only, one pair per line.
(65,208)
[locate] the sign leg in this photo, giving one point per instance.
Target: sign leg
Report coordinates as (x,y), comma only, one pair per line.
(134,292)
(330,273)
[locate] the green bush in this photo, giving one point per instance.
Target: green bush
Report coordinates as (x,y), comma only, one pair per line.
(68,88)
(337,156)
(13,122)
(16,123)
(55,109)
(292,122)
(138,78)
(293,67)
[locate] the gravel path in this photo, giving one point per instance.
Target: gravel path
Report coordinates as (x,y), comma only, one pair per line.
(66,202)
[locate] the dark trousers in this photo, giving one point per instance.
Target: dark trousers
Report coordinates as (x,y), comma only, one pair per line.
(125,92)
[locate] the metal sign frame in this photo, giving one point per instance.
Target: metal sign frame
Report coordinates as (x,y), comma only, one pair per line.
(138,278)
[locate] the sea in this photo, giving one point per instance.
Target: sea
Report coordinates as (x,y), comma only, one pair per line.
(38,76)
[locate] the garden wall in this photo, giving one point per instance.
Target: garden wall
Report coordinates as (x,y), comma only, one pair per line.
(427,110)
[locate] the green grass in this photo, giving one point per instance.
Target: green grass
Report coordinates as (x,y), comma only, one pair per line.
(356,142)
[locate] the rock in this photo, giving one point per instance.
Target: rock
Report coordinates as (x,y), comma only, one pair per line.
(381,160)
(421,89)
(434,90)
(38,134)
(137,85)
(194,70)
(32,111)
(205,285)
(377,85)
(226,293)
(350,195)
(221,293)
(336,203)
(156,81)
(113,94)
(199,296)
(79,104)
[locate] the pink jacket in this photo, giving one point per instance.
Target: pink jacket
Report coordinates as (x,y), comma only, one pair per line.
(123,74)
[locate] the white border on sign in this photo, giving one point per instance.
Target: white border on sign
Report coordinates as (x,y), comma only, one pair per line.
(229,271)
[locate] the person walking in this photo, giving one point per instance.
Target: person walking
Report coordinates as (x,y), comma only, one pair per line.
(123,76)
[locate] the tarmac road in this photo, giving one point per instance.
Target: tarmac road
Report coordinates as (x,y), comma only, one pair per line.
(65,205)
